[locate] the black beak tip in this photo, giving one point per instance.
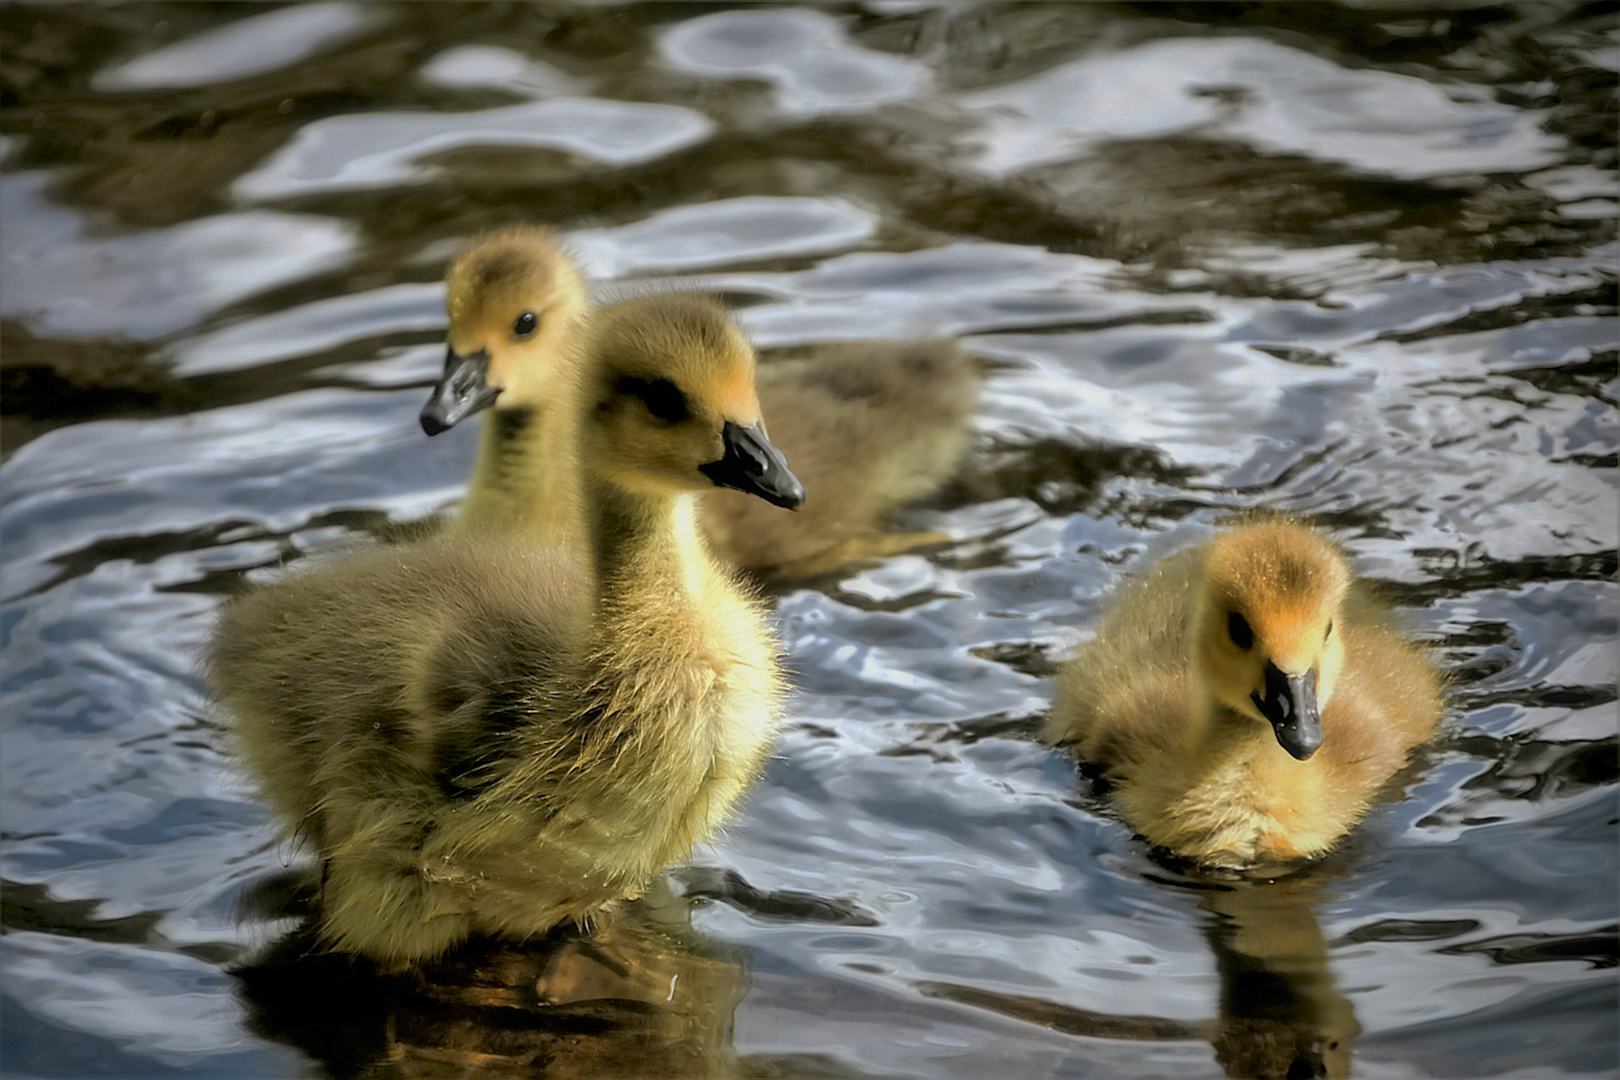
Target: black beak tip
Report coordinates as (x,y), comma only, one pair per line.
(461,391)
(431,423)
(1300,748)
(791,496)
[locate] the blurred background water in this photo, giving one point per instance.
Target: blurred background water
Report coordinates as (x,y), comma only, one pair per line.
(1356,261)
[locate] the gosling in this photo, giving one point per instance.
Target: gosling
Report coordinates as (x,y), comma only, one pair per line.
(518,308)
(483,734)
(1247,699)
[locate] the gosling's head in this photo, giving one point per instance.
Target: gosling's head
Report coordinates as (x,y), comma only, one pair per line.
(674,406)
(1265,640)
(516,302)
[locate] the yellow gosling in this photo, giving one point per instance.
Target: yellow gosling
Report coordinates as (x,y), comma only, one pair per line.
(518,308)
(477,734)
(1247,699)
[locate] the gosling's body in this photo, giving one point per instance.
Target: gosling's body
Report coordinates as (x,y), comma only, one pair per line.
(869,426)
(483,734)
(1169,706)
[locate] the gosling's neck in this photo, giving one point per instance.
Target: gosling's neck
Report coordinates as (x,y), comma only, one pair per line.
(526,478)
(647,546)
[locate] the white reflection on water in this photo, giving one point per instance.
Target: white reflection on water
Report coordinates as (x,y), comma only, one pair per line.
(494,68)
(148,284)
(724,232)
(312,327)
(245,47)
(804,54)
(1274,98)
(164,1007)
(379,150)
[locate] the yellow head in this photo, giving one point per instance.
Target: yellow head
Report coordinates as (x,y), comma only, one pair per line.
(1264,639)
(516,304)
(673,406)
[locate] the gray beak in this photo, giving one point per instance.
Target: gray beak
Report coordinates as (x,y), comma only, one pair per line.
(1290,704)
(460,391)
(753,465)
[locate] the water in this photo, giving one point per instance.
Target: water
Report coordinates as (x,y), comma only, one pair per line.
(1356,262)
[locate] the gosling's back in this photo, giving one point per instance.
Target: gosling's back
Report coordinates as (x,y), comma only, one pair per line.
(356,676)
(868,425)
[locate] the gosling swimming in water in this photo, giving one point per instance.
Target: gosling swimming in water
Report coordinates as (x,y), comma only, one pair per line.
(484,734)
(1247,698)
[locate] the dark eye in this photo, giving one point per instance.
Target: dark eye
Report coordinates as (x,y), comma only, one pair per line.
(1238,629)
(1329,632)
(662,397)
(526,324)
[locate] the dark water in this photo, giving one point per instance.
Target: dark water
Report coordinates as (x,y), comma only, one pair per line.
(1351,261)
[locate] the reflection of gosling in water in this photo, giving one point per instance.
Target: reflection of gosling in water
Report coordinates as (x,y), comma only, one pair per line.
(867,425)
(642,994)
(471,740)
(1246,698)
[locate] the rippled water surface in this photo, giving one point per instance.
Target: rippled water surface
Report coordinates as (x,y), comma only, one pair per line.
(1349,261)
